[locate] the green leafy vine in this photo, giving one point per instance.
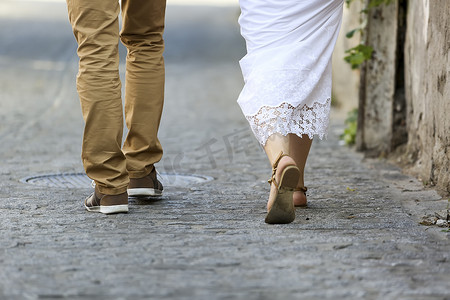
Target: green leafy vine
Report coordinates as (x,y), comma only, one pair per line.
(349,135)
(362,52)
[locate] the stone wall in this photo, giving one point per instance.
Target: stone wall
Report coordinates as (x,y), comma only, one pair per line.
(404,90)
(427,87)
(377,85)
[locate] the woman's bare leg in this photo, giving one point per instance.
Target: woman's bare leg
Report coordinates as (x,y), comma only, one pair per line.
(297,150)
(275,144)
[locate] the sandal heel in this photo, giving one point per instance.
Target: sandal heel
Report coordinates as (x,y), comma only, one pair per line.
(283,210)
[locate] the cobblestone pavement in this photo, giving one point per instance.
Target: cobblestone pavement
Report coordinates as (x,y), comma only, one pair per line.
(360,238)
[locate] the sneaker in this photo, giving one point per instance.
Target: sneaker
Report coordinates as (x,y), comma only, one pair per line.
(106,204)
(148,186)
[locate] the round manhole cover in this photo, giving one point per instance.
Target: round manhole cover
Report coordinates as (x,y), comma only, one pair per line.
(80,180)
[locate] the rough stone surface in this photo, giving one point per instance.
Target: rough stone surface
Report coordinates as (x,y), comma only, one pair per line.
(377,99)
(427,73)
(360,238)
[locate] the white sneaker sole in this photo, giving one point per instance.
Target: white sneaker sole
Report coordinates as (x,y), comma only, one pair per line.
(144,192)
(111,209)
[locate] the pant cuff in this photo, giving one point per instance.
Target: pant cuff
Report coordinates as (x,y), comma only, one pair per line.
(112,191)
(140,174)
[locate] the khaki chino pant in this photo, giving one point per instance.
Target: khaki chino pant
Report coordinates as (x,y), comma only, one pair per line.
(96,28)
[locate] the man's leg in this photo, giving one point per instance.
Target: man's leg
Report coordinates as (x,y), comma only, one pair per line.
(96,28)
(142,34)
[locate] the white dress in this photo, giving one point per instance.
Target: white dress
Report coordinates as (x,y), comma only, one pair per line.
(287,69)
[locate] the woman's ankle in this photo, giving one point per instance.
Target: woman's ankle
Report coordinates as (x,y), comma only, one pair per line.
(299,198)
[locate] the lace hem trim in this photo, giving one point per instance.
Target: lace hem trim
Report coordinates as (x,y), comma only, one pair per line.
(286,118)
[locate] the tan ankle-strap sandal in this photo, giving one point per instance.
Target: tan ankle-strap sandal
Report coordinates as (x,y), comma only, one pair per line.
(282,210)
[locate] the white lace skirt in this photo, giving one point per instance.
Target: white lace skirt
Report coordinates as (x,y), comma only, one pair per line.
(287,69)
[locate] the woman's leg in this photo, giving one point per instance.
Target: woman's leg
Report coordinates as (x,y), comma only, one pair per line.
(297,150)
